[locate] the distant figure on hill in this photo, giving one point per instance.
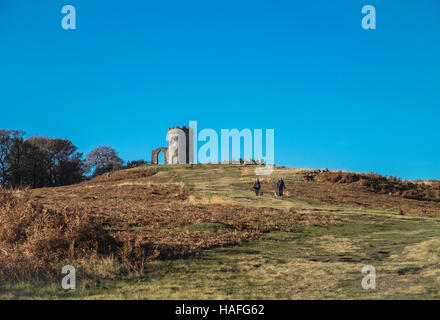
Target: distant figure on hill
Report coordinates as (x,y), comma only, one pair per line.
(281,186)
(307,177)
(257,187)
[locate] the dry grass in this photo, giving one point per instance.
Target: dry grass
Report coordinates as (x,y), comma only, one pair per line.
(166,212)
(356,190)
(120,222)
(31,237)
(126,217)
(221,201)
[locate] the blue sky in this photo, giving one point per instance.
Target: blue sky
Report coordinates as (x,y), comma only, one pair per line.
(337,96)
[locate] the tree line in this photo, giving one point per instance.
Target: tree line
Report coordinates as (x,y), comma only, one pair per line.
(49,162)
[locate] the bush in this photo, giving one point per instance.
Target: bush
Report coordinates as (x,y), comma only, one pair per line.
(135,163)
(33,239)
(381,184)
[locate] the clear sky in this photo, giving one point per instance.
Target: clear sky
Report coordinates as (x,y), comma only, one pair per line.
(337,96)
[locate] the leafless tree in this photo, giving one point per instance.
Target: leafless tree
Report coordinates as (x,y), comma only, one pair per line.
(103,159)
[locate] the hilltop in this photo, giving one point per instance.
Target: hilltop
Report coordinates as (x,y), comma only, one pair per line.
(182,231)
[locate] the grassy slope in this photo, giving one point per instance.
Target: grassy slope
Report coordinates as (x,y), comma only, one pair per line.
(310,263)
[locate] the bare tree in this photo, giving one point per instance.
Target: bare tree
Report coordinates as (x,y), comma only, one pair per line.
(16,158)
(103,159)
(5,150)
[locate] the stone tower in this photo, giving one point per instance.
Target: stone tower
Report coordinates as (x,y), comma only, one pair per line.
(180,147)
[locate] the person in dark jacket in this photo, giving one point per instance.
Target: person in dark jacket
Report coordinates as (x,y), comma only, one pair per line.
(281,186)
(257,187)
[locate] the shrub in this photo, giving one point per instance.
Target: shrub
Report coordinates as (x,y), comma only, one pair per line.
(33,239)
(381,184)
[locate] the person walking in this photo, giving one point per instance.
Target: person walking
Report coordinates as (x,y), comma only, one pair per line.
(281,186)
(257,187)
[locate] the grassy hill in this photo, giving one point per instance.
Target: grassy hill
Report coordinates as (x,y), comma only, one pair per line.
(199,232)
